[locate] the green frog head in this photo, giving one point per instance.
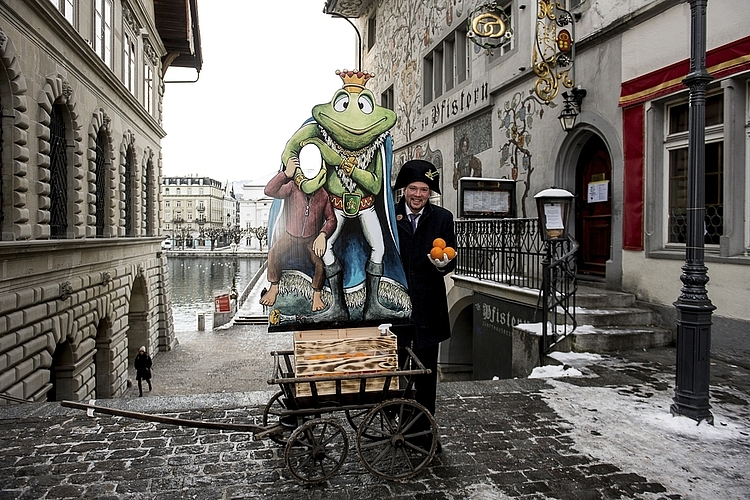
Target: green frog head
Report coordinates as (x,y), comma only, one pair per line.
(352,118)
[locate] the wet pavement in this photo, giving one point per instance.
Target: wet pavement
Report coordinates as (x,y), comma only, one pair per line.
(605,433)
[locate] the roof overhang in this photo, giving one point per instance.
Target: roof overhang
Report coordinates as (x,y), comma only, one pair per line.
(179,30)
(347,8)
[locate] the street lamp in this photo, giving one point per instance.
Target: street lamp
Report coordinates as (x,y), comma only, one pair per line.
(553,206)
(572,107)
(694,308)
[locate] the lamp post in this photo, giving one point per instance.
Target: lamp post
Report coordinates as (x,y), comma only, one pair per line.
(553,206)
(694,308)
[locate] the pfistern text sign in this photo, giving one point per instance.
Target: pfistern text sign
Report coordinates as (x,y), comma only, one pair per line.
(494,320)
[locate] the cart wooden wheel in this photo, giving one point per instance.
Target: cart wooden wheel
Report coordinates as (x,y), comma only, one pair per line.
(316,450)
(355,418)
(401,437)
(272,415)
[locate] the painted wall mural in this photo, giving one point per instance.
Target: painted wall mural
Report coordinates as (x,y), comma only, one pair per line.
(470,138)
(516,118)
(335,223)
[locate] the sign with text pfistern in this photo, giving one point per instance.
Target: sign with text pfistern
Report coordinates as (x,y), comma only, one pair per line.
(222,303)
(494,320)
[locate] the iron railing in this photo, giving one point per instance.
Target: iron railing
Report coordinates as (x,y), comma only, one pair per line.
(511,252)
(507,251)
(557,298)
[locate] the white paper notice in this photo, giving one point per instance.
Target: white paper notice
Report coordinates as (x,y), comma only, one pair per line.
(598,191)
(553,214)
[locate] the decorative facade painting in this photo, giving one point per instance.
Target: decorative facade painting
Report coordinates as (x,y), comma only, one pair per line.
(333,258)
(471,138)
(517,119)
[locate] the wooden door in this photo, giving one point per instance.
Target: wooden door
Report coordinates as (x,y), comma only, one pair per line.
(594,208)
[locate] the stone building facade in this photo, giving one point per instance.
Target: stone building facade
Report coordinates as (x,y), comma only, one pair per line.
(468,109)
(82,281)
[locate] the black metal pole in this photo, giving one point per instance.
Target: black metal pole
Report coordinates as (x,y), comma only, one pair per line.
(694,308)
(546,283)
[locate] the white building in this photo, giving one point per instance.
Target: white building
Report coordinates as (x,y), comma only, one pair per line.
(630,135)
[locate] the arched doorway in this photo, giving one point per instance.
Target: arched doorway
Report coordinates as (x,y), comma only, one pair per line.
(60,373)
(593,212)
(138,326)
(103,366)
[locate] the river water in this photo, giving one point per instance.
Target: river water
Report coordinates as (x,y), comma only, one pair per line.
(196,280)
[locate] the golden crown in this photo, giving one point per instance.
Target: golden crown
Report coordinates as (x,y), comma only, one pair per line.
(354,81)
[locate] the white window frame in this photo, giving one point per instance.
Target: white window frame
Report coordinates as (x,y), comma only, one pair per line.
(447,65)
(129,60)
(103,30)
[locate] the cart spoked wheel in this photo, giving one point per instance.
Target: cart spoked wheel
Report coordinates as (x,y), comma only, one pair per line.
(355,418)
(316,450)
(272,415)
(401,439)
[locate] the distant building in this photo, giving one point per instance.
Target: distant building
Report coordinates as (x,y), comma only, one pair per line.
(255,206)
(83,282)
(192,204)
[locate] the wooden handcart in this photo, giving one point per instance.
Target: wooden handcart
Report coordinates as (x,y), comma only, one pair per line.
(396,437)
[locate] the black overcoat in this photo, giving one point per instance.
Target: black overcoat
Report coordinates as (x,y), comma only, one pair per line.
(426,282)
(142,365)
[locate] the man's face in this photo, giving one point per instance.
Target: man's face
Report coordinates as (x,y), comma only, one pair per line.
(417,193)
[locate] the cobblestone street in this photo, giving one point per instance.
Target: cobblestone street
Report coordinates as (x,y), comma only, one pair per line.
(573,438)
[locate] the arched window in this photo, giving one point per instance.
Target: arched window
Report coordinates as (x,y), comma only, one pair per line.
(148,196)
(58,175)
(129,185)
(101,185)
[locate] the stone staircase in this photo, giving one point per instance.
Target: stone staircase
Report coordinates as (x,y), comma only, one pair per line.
(609,321)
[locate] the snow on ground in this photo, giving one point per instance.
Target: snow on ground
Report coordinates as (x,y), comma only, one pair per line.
(635,431)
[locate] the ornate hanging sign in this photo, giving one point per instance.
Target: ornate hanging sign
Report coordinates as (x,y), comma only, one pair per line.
(489,26)
(554,53)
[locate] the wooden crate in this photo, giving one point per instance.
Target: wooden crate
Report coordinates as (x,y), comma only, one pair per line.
(344,351)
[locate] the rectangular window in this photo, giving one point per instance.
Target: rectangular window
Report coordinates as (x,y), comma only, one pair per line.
(103,30)
(386,99)
(148,88)
(713,180)
(371,33)
(128,61)
(66,8)
(446,65)
(508,45)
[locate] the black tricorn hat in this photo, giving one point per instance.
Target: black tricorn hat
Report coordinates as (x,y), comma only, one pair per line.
(418,170)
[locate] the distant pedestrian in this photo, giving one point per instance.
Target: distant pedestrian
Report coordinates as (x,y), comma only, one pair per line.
(142,365)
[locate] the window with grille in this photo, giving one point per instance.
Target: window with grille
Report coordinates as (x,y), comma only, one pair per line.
(129,185)
(147,196)
(103,30)
(713,181)
(446,65)
(101,185)
(58,175)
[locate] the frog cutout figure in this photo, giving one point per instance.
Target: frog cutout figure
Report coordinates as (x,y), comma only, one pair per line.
(366,284)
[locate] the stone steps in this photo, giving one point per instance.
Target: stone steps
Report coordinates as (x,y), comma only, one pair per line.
(608,321)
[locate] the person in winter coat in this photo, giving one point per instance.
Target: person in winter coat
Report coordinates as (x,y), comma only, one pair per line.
(419,224)
(142,366)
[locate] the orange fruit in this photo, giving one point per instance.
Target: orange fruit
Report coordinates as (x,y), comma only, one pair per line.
(450,252)
(437,253)
(439,243)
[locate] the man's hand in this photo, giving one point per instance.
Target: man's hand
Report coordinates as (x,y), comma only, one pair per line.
(439,263)
(319,245)
(291,165)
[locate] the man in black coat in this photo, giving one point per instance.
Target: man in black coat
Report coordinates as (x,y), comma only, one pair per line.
(424,275)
